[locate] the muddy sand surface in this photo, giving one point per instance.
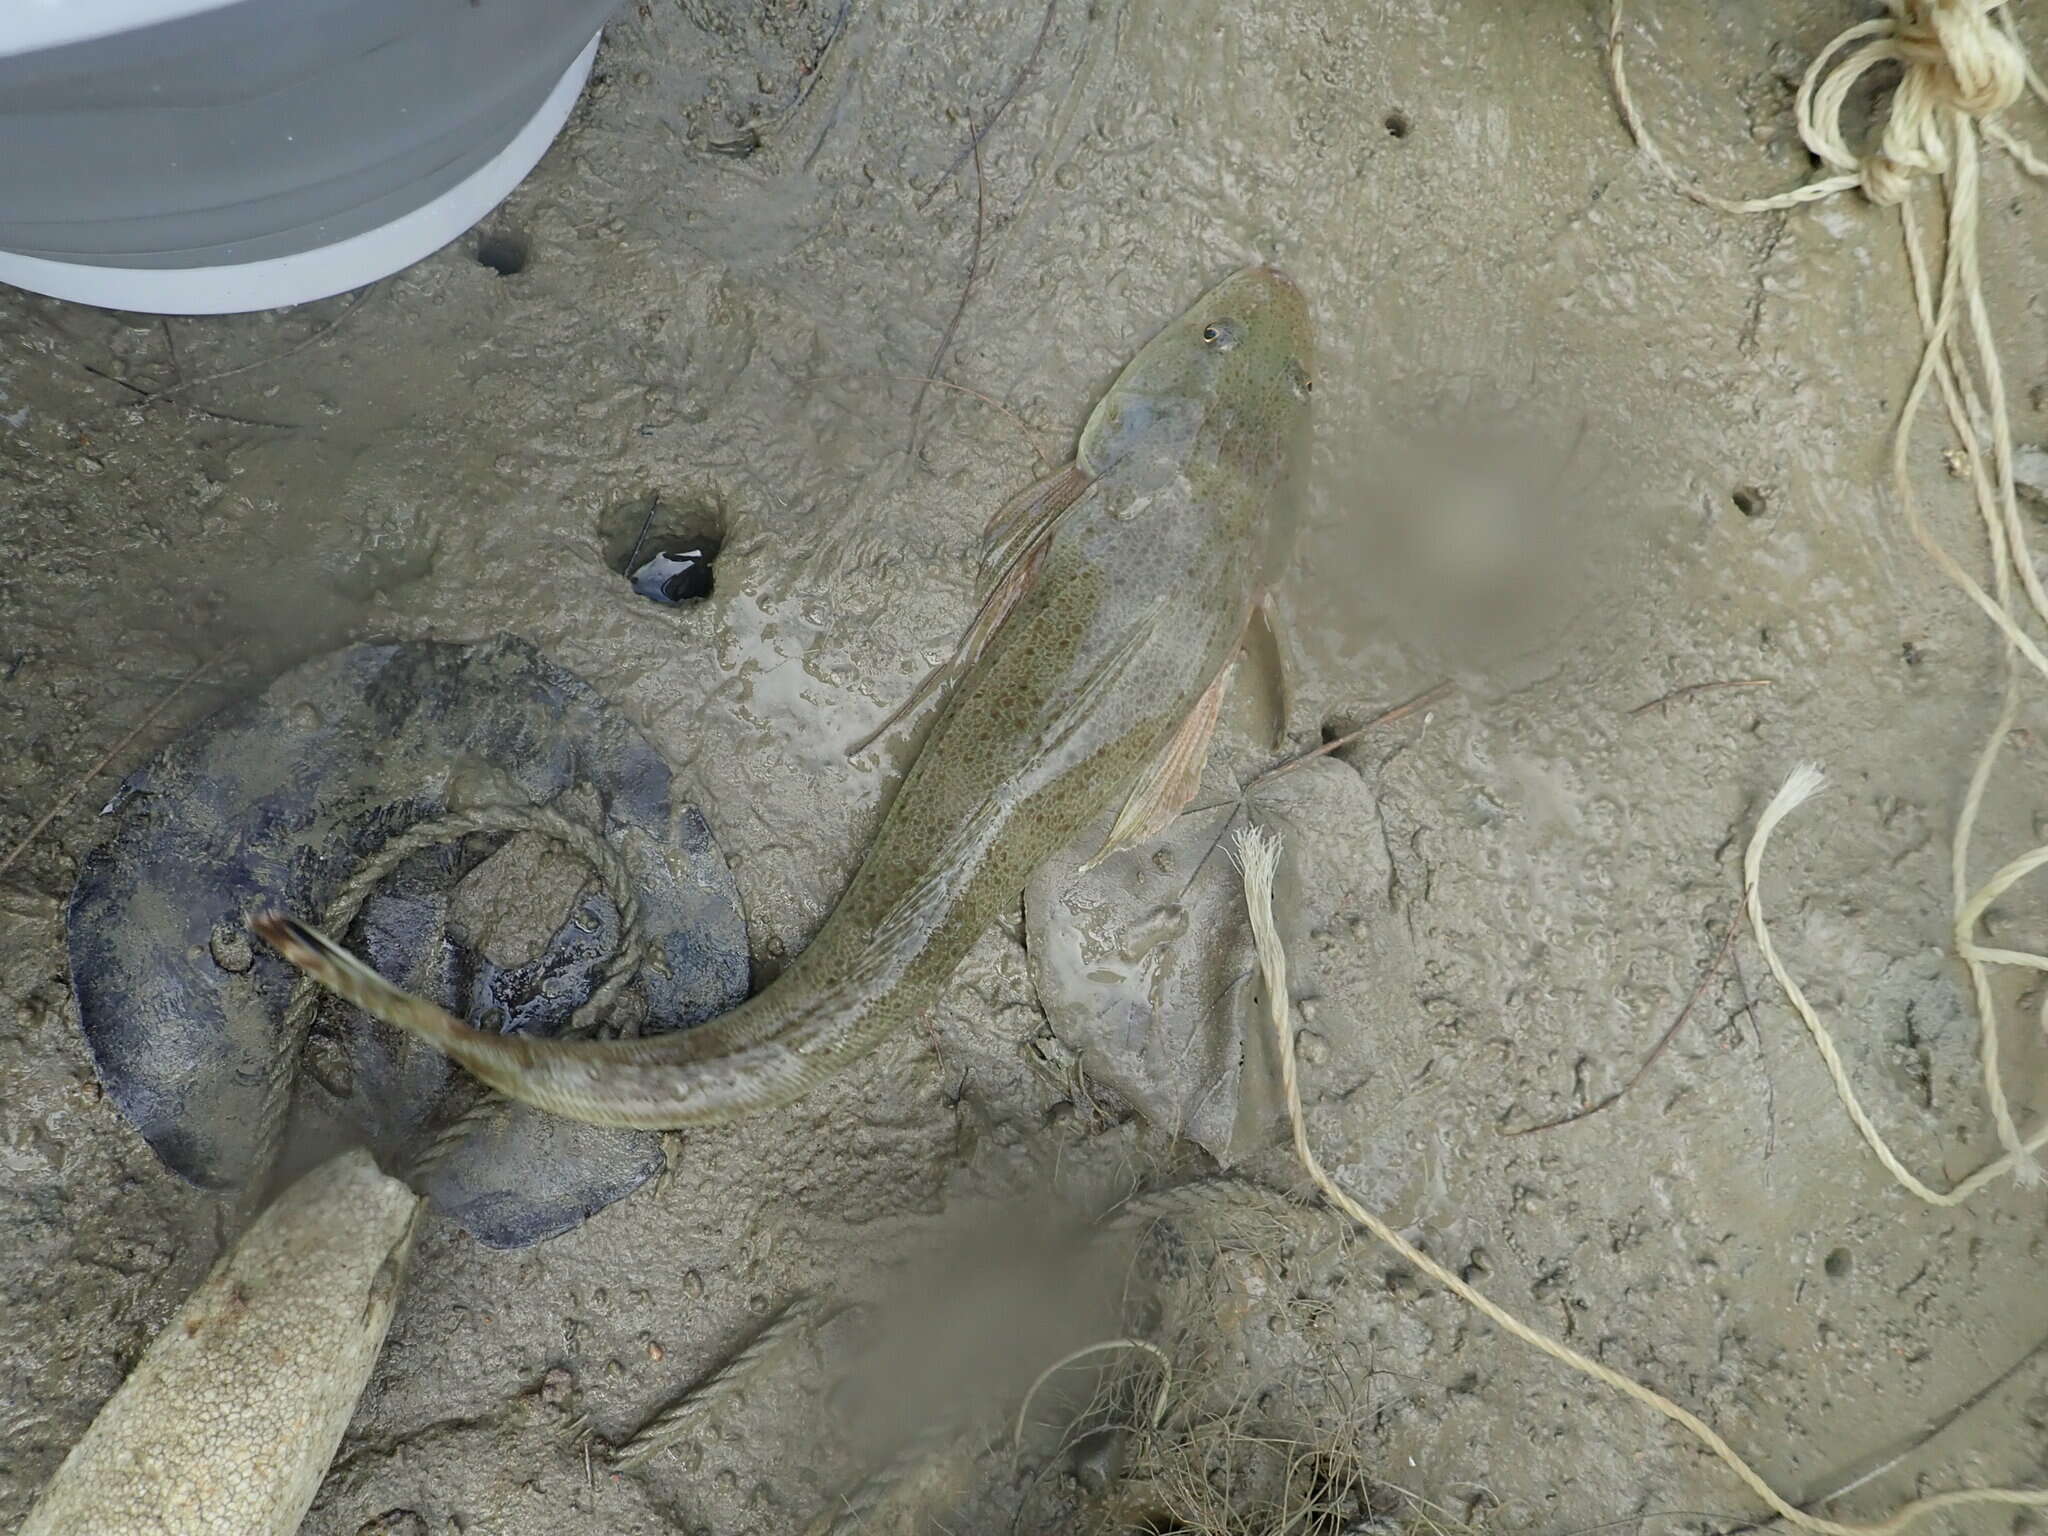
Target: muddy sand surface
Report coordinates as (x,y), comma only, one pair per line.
(1580,444)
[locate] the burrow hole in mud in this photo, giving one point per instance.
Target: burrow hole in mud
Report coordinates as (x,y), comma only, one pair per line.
(1750,500)
(504,251)
(1837,1264)
(663,548)
(1396,124)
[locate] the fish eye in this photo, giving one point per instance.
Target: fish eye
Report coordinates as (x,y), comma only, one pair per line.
(1299,381)
(1221,334)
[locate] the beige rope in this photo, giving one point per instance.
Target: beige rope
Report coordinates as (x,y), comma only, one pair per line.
(605,862)
(1959,58)
(1805,782)
(1961,65)
(800,1316)
(1258,858)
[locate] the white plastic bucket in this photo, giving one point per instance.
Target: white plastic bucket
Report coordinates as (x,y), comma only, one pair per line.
(217,156)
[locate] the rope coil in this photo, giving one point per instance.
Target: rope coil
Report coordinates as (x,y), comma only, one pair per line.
(605,862)
(1958,59)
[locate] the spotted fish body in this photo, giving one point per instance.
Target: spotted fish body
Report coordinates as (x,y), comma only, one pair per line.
(1122,589)
(227,1425)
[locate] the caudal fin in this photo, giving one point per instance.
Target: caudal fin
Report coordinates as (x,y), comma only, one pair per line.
(350,979)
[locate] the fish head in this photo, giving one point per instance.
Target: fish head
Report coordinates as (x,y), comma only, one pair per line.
(1226,386)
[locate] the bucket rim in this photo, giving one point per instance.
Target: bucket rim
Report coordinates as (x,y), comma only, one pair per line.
(281,281)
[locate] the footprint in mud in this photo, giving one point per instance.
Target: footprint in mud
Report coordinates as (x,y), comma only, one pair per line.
(280,801)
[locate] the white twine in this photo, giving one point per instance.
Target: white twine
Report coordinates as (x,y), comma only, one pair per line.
(1961,65)
(1258,857)
(1804,782)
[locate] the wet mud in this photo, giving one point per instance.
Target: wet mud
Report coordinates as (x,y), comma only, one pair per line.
(1587,451)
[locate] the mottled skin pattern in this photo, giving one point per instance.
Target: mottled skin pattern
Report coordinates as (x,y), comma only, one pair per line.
(1140,599)
(228,1424)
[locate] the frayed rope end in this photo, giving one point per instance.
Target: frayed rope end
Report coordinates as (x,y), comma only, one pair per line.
(1800,786)
(1256,852)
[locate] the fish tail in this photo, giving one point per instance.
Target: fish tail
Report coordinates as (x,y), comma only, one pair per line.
(351,980)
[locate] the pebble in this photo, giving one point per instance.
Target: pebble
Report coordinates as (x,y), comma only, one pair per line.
(230,946)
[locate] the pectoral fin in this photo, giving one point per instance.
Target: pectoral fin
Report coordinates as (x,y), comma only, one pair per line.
(1278,661)
(1012,547)
(1174,777)
(1027,518)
